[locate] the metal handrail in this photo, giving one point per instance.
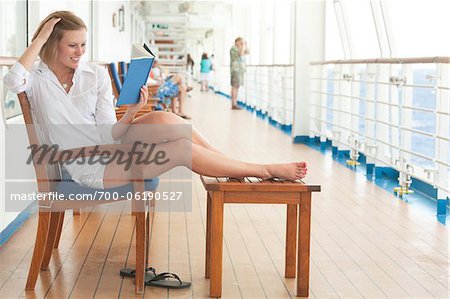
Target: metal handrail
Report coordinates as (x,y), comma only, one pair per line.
(7,61)
(270,89)
(262,65)
(436,59)
(350,116)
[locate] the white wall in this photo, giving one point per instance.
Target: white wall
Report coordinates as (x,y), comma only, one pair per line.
(110,44)
(309,46)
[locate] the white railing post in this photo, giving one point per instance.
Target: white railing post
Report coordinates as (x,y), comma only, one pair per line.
(383,114)
(442,150)
(370,78)
(406,139)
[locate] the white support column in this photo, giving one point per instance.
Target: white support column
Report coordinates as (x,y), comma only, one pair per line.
(309,46)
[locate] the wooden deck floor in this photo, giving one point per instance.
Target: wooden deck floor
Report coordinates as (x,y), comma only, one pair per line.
(365,242)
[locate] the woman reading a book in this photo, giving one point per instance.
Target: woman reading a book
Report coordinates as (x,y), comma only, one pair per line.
(66,92)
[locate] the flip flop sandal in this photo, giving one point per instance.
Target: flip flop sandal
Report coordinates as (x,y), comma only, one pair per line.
(130,272)
(162,280)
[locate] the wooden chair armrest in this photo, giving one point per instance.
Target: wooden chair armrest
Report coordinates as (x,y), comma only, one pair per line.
(152,89)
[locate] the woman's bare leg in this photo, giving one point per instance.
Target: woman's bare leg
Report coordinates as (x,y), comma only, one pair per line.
(173,105)
(177,79)
(181,98)
(204,162)
(164,118)
(116,174)
(210,163)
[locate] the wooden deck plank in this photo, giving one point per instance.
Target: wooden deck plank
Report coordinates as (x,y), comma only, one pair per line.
(110,282)
(159,253)
(72,263)
(92,270)
(126,289)
(178,255)
(74,227)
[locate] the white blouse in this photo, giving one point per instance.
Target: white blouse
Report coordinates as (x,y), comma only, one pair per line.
(82,117)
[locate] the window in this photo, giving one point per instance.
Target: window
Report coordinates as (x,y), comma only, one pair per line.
(333,43)
(12,43)
(361,27)
(266,33)
(282,31)
(419,27)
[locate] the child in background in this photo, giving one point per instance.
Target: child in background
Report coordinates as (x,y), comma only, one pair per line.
(205,68)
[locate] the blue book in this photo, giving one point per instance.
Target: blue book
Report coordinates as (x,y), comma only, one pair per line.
(137,75)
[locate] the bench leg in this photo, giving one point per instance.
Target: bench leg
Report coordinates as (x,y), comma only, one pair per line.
(304,230)
(216,244)
(291,241)
(208,236)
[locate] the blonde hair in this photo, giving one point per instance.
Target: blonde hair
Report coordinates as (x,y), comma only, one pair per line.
(69,21)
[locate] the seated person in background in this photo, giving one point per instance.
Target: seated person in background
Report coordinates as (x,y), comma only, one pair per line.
(170,87)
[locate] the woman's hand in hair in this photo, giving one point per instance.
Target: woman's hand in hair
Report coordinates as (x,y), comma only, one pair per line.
(47,30)
(31,53)
(133,109)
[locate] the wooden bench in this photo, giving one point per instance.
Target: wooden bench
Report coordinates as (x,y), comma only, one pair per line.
(295,194)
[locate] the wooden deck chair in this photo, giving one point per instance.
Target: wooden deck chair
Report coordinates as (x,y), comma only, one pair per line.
(52,178)
(122,70)
(117,86)
(115,79)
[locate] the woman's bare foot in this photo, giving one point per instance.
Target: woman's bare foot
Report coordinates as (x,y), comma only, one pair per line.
(288,171)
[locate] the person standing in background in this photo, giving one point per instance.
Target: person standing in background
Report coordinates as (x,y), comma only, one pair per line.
(205,69)
(212,75)
(189,69)
(190,64)
(237,69)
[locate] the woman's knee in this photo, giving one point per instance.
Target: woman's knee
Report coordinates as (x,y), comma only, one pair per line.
(183,151)
(163,117)
(177,79)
